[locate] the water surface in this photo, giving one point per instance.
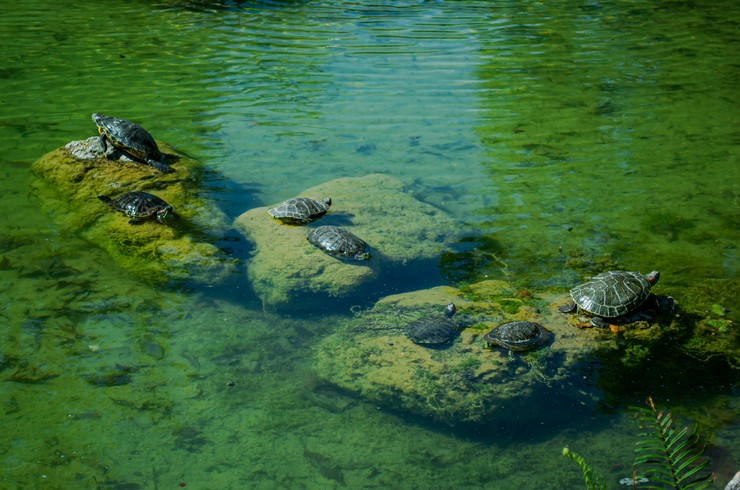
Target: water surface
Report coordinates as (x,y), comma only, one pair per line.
(568,140)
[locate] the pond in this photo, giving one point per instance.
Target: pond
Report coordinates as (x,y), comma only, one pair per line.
(558,142)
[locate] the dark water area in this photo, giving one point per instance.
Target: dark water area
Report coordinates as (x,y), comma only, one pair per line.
(562,140)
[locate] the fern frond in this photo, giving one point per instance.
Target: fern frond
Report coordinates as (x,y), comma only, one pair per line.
(592,479)
(672,456)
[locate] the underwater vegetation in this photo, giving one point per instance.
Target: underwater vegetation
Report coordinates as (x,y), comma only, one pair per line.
(666,456)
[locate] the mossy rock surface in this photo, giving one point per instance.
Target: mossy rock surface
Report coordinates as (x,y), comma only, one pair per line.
(71,178)
(397,228)
(467,381)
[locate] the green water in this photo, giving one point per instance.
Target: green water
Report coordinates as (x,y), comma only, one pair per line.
(569,139)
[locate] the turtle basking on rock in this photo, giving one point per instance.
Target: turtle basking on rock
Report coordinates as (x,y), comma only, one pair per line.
(338,242)
(131,139)
(300,210)
(140,205)
(434,329)
(518,336)
(610,296)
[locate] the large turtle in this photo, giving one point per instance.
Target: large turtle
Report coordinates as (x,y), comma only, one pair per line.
(139,206)
(611,294)
(433,329)
(338,242)
(518,336)
(300,210)
(130,138)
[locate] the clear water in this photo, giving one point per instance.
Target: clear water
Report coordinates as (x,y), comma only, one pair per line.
(604,133)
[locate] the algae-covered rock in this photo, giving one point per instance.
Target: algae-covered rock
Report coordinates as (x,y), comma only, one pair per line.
(74,175)
(466,382)
(396,227)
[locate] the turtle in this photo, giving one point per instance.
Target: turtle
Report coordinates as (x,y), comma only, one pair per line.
(433,329)
(139,206)
(611,294)
(300,210)
(338,242)
(132,139)
(518,336)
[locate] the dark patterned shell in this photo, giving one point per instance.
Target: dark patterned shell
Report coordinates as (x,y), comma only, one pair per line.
(614,293)
(435,329)
(139,205)
(338,242)
(131,138)
(300,210)
(518,336)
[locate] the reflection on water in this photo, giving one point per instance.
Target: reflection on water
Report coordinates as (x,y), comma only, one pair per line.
(570,140)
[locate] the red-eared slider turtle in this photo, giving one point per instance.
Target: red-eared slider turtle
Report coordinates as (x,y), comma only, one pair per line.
(139,206)
(517,336)
(433,330)
(611,294)
(338,242)
(130,138)
(300,210)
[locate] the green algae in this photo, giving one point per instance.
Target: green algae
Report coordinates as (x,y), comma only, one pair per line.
(398,229)
(74,175)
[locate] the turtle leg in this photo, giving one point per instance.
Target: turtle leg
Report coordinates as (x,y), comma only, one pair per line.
(599,322)
(135,221)
(162,167)
(568,308)
(103,145)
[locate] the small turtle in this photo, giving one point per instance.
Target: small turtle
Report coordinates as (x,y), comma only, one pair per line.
(338,242)
(518,336)
(611,294)
(139,206)
(434,329)
(130,138)
(300,210)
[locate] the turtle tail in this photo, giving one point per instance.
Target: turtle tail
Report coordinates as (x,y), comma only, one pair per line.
(162,167)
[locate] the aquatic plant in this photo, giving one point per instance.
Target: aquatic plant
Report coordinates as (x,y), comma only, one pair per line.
(592,479)
(669,457)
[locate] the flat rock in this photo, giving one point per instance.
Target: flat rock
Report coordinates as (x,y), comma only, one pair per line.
(396,227)
(71,178)
(466,382)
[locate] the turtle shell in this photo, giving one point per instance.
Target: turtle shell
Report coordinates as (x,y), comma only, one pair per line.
(614,293)
(434,329)
(338,242)
(139,205)
(300,210)
(518,336)
(132,139)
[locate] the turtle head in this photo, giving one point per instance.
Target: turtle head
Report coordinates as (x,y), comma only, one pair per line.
(450,310)
(327,201)
(164,212)
(97,117)
(362,256)
(653,277)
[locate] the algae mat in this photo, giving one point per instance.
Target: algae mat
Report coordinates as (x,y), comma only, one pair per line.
(75,174)
(468,381)
(397,228)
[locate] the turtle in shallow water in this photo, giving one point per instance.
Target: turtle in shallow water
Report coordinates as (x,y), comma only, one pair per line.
(338,242)
(611,294)
(139,205)
(434,329)
(300,210)
(130,138)
(518,336)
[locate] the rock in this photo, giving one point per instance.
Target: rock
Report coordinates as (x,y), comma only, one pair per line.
(465,383)
(71,178)
(396,227)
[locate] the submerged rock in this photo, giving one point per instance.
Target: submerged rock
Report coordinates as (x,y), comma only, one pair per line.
(396,227)
(467,382)
(71,178)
